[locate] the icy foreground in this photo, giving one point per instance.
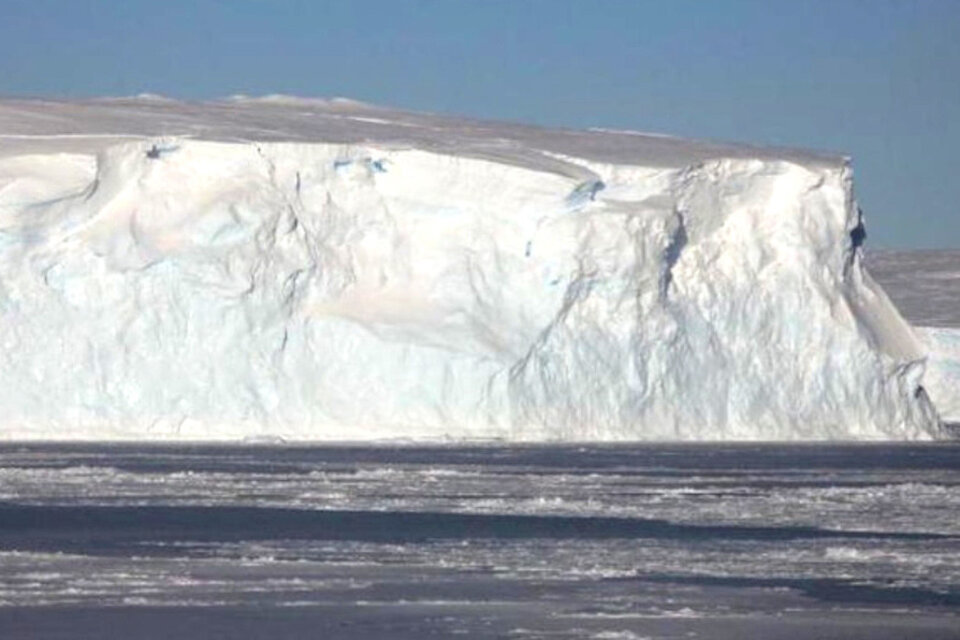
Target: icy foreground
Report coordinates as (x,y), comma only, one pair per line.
(310,269)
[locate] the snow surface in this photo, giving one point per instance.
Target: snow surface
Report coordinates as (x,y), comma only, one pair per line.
(325,269)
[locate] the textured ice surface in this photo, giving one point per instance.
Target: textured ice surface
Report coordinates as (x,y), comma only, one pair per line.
(329,270)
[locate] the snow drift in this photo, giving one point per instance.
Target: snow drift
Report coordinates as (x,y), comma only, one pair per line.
(330,270)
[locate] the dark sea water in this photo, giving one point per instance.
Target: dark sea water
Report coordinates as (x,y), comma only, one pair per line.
(655,541)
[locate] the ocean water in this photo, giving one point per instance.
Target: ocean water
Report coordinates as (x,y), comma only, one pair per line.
(651,541)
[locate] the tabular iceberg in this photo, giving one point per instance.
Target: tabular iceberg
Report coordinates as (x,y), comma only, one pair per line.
(327,270)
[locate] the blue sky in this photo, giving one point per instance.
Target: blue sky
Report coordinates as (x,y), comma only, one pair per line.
(875,79)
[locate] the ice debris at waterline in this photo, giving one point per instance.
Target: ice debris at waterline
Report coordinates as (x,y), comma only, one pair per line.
(309,269)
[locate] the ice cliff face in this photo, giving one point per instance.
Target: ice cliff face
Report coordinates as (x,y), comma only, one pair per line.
(328,270)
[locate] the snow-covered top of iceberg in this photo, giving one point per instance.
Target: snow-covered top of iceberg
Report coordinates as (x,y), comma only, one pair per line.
(35,125)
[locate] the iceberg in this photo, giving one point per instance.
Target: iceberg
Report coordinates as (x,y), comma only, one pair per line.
(313,269)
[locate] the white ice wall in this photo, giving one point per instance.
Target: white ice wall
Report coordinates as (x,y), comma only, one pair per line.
(352,291)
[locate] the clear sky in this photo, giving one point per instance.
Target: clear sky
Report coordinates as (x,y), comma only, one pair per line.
(875,79)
